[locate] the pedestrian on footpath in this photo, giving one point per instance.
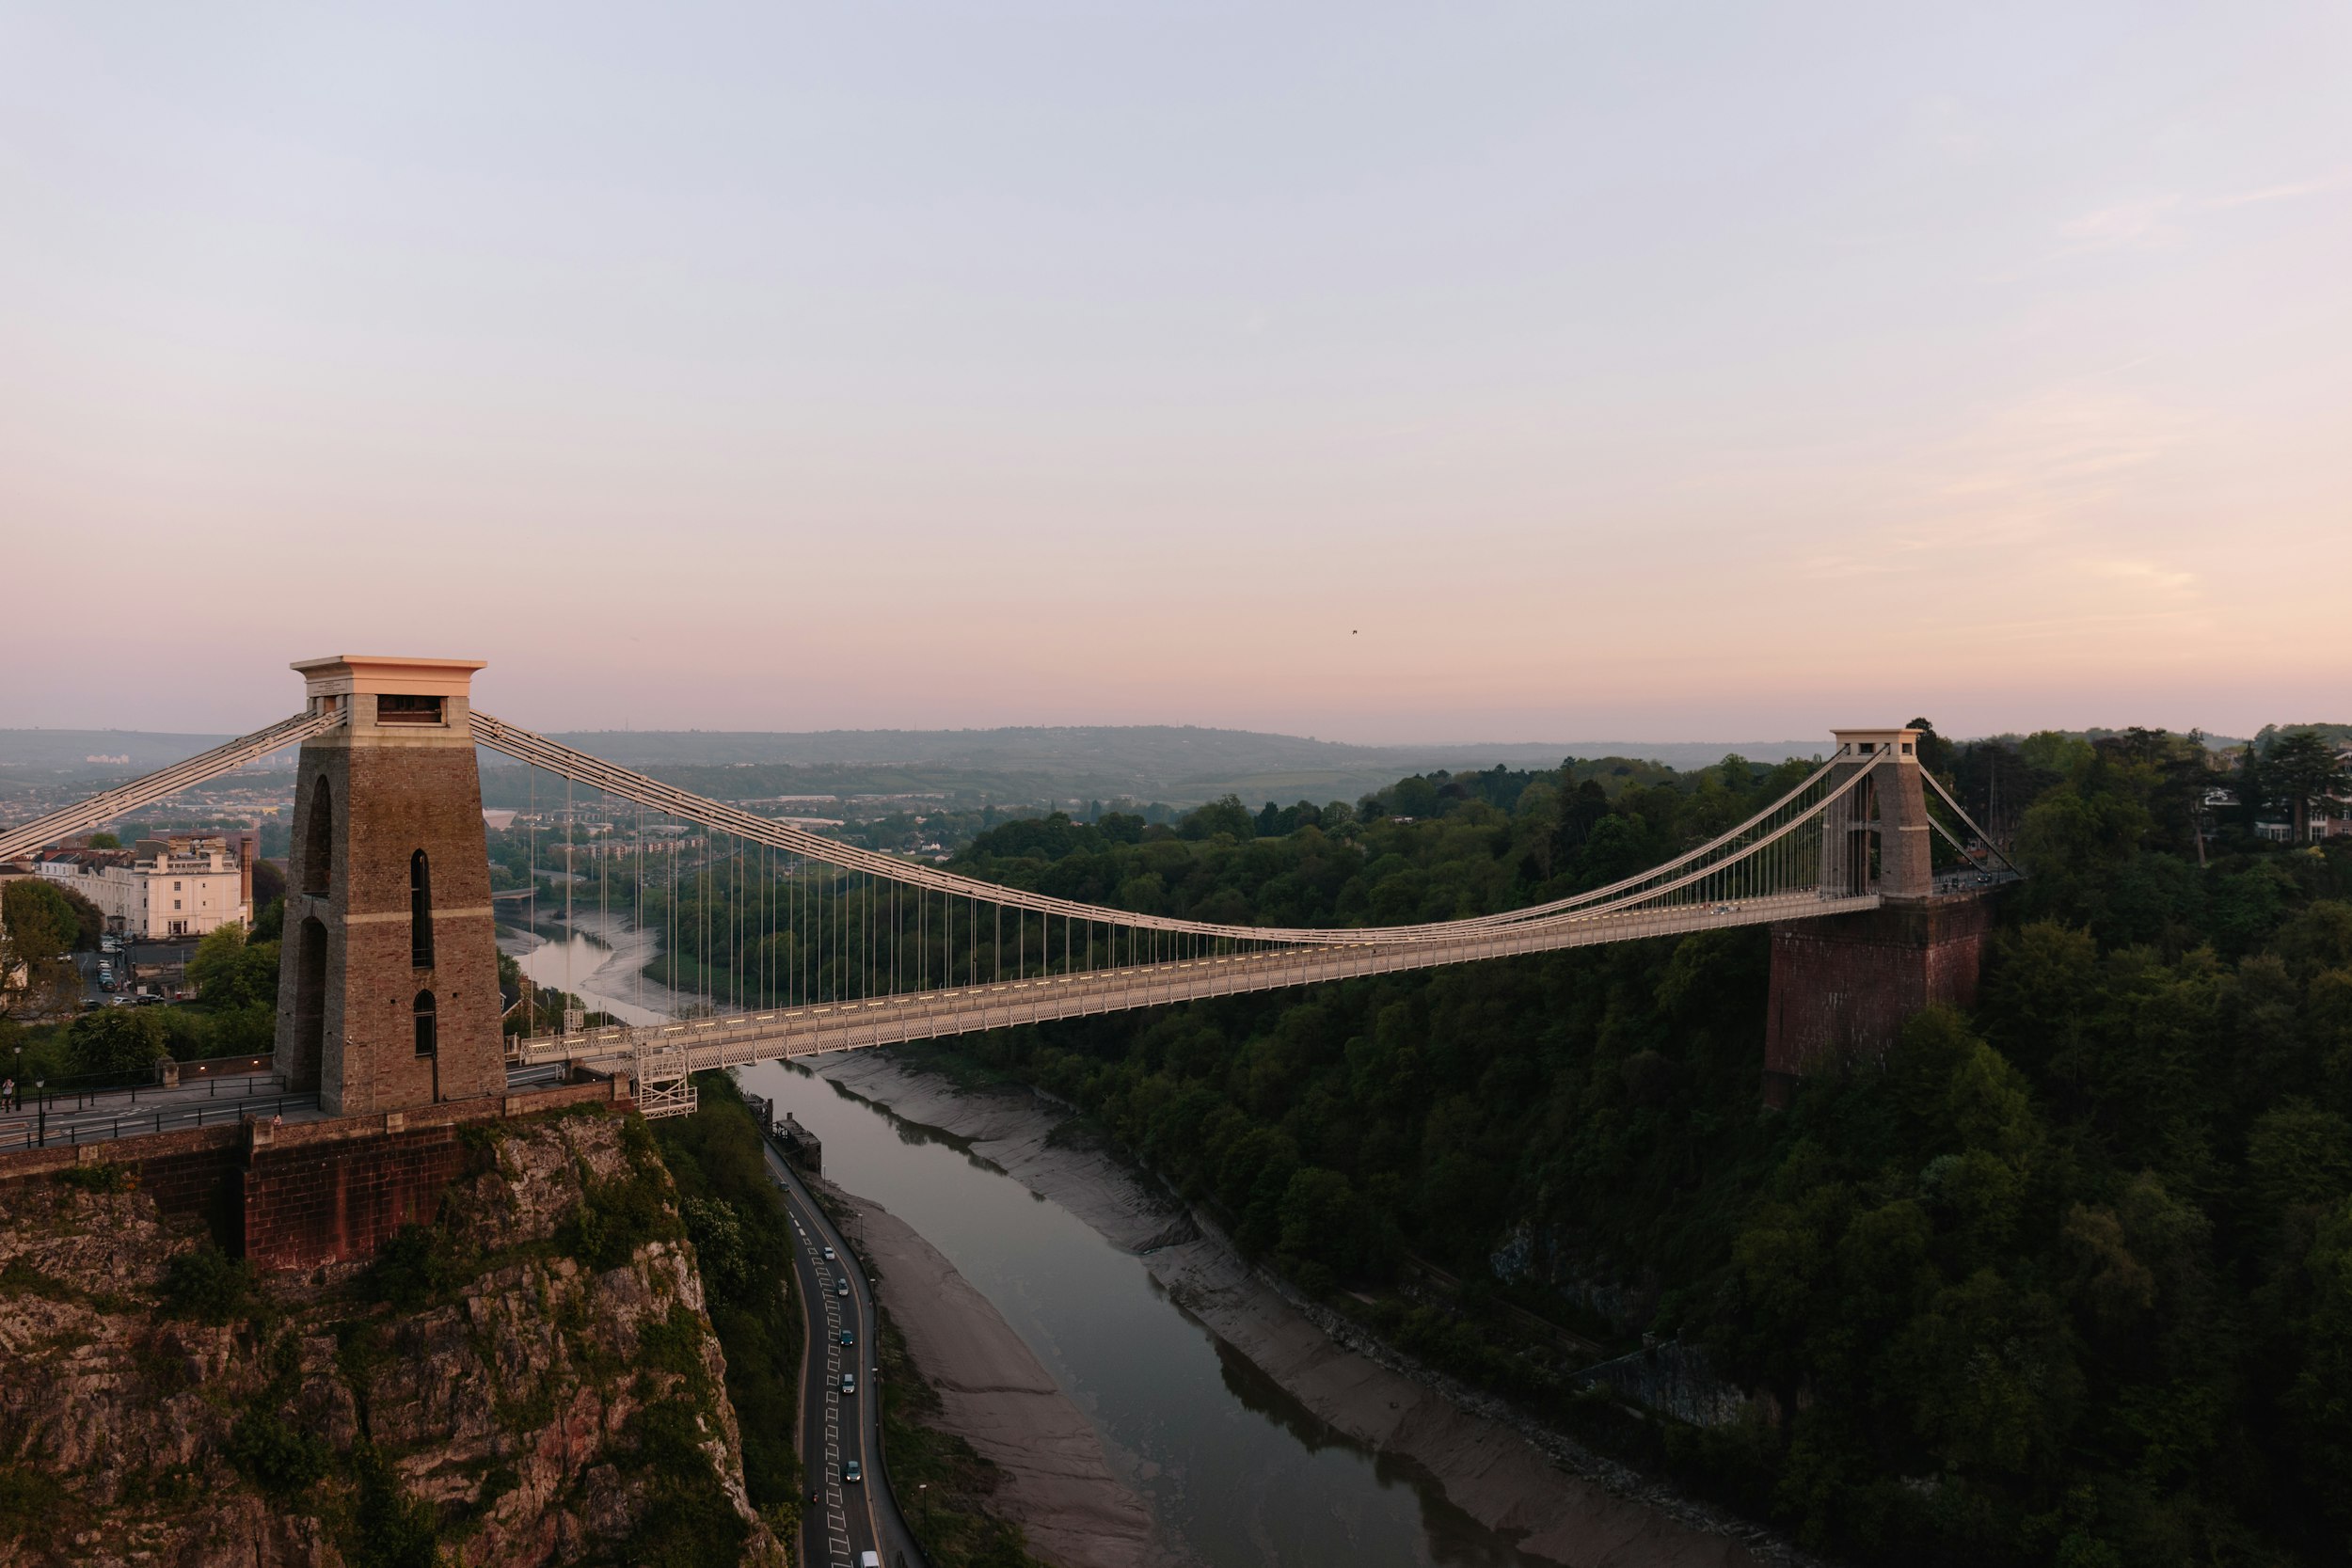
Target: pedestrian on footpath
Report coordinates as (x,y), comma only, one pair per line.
(8,1095)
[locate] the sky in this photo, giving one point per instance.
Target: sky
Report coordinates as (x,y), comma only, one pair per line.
(1375,372)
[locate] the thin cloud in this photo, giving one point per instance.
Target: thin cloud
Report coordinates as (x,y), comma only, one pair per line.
(2167,581)
(2278,193)
(2122,225)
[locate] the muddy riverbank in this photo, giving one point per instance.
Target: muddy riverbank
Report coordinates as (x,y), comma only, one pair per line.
(1559,1504)
(994,1394)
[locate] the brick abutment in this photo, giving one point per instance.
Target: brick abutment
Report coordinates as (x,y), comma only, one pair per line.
(304,1195)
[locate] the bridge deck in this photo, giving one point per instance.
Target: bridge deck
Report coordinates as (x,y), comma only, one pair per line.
(737,1039)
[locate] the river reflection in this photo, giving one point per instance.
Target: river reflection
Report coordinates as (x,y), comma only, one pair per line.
(1236,1472)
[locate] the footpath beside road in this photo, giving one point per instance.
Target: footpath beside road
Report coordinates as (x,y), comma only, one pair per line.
(842,1518)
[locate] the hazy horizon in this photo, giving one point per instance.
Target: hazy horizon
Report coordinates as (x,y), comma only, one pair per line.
(1370,373)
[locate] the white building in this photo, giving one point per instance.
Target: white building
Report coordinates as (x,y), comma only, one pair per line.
(179,886)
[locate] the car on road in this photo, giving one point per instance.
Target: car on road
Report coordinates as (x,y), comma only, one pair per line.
(849,1382)
(850,1472)
(869,1560)
(848,1335)
(828,1254)
(841,1286)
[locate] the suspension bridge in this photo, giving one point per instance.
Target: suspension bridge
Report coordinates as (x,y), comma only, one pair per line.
(388,989)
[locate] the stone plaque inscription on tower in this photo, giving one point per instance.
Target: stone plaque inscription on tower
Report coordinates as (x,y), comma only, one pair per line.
(388,989)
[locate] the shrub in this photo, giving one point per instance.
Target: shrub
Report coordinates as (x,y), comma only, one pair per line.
(273,1456)
(395,1530)
(101,1178)
(614,1219)
(416,1266)
(208,1285)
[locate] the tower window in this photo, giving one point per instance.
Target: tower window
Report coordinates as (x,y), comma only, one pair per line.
(391,709)
(420,911)
(428,1025)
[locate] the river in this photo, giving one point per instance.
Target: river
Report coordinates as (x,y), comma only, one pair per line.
(1236,1473)
(599,963)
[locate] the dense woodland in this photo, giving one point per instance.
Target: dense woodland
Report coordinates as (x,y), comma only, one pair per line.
(2067,1280)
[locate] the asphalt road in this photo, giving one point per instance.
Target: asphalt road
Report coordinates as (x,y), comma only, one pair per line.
(848,1517)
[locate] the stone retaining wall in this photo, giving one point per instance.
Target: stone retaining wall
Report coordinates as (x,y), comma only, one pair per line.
(298,1194)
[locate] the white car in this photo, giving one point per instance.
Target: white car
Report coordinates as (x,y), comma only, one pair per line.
(849,1382)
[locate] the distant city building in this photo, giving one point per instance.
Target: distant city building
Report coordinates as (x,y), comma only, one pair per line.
(178,885)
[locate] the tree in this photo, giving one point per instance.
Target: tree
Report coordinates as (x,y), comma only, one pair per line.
(1935,753)
(40,920)
(231,972)
(105,841)
(2301,767)
(116,1041)
(1225,815)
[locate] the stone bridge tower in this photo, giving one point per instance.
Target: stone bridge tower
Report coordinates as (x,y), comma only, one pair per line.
(388,994)
(1842,986)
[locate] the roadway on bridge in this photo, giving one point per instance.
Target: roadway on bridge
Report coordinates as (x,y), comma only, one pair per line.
(838,1429)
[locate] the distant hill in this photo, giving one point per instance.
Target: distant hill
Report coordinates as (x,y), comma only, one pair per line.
(1168,750)
(99,753)
(1179,764)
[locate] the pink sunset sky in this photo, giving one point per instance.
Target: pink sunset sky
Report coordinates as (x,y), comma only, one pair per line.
(1375,372)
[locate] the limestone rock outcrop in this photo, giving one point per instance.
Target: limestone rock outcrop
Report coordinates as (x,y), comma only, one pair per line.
(531,1380)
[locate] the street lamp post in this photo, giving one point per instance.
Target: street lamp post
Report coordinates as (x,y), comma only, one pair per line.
(39,1084)
(923,1489)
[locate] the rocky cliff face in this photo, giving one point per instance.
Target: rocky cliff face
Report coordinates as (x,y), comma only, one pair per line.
(532,1381)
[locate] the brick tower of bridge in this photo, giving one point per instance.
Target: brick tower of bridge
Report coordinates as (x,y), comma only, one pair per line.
(1842,986)
(388,994)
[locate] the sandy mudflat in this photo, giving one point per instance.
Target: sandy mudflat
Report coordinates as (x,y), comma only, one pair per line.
(1488,1466)
(994,1394)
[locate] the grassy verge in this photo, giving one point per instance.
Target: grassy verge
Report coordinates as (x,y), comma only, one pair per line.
(943,1485)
